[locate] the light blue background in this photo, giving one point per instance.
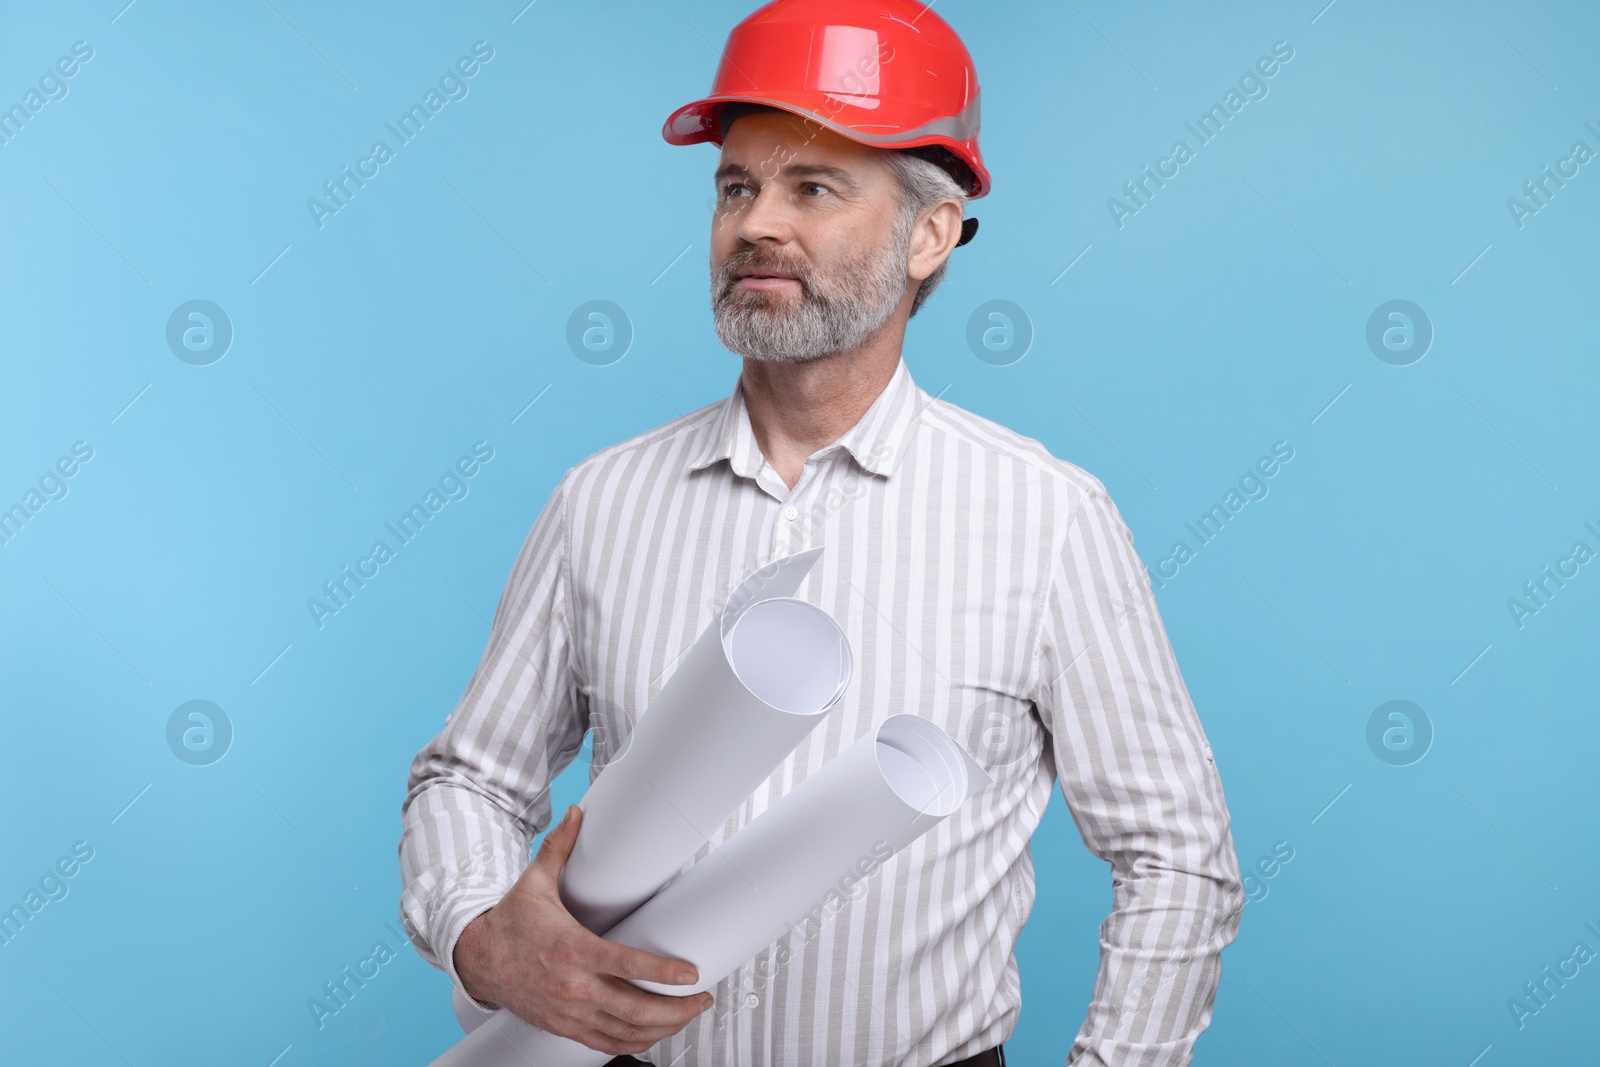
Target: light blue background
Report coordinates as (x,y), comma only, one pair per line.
(1228,314)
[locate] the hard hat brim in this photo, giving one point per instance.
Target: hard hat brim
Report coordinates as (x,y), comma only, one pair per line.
(698,122)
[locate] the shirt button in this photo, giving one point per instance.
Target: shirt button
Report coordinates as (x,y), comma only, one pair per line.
(752,1001)
(791,513)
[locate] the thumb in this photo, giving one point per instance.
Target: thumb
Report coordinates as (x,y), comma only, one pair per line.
(557,844)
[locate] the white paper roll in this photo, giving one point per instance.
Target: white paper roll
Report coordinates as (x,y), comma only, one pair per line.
(760,677)
(831,831)
(780,872)
(468,1014)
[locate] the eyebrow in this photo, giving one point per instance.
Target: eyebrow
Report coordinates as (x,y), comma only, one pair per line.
(837,175)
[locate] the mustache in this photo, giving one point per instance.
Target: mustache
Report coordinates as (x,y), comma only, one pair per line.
(758,260)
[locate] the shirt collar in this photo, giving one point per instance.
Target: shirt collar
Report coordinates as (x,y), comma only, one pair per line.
(876,442)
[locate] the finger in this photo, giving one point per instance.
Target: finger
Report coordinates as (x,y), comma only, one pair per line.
(636,1007)
(639,965)
(636,1036)
(557,844)
(602,1042)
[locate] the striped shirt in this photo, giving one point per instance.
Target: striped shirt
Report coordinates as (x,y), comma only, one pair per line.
(984,584)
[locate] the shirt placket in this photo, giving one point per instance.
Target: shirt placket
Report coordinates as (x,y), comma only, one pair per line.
(786,532)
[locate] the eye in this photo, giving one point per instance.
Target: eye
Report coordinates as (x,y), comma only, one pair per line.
(815,185)
(728,190)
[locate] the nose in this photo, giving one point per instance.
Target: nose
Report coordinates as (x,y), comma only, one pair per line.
(764,216)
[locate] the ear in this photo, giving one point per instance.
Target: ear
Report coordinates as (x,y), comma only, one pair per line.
(933,237)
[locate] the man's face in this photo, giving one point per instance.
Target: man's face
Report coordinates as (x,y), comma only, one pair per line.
(809,245)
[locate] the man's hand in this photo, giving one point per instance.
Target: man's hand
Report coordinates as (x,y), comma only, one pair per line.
(529,955)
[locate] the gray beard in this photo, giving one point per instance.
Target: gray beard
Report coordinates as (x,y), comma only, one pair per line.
(834,315)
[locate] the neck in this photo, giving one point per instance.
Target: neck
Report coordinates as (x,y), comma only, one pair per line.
(797,408)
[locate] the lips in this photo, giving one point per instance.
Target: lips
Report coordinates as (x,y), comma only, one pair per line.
(763,279)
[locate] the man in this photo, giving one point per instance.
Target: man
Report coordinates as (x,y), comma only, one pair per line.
(984,584)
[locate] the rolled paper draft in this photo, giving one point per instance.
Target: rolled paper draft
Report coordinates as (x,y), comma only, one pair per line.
(758,679)
(831,831)
(468,1014)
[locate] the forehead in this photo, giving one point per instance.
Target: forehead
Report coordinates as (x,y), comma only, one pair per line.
(783,137)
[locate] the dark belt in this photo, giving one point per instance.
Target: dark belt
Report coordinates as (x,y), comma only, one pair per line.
(994,1057)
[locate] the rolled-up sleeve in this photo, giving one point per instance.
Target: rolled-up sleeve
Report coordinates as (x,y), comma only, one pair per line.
(479,792)
(1143,789)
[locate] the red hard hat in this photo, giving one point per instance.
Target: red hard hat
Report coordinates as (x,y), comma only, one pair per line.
(884,73)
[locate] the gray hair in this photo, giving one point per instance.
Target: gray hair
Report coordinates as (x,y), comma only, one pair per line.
(922,184)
